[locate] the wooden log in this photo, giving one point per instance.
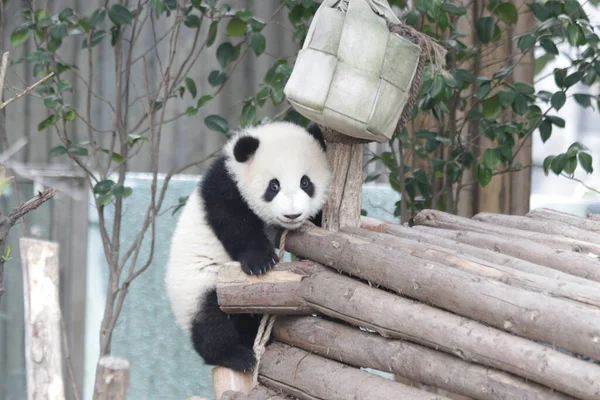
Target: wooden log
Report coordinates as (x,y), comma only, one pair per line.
(569,219)
(258,393)
(569,262)
(281,287)
(418,363)
(345,156)
(112,379)
(225,379)
(571,326)
(583,294)
(308,376)
(481,253)
(43,354)
(593,217)
(440,219)
(534,225)
(393,316)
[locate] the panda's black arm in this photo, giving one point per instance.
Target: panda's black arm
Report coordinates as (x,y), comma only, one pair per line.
(239,230)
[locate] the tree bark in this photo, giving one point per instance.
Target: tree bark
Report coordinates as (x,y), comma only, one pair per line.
(258,393)
(583,294)
(308,376)
(43,356)
(225,380)
(578,264)
(555,228)
(586,224)
(568,325)
(439,219)
(241,293)
(112,379)
(396,317)
(481,253)
(345,156)
(418,363)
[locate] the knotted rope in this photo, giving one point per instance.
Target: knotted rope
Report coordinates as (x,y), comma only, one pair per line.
(266,322)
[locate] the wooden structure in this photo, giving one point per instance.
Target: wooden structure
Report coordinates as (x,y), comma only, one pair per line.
(493,307)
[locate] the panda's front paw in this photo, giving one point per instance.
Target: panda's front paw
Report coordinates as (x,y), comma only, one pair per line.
(258,262)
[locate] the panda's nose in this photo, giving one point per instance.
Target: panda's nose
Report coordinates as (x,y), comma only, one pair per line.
(292,216)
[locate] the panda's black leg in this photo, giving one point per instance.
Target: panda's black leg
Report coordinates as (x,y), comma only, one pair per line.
(216,338)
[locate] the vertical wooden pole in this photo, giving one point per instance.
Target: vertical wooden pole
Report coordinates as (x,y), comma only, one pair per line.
(43,351)
(345,156)
(113,379)
(225,379)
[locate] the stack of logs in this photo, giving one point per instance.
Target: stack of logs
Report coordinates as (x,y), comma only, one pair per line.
(493,307)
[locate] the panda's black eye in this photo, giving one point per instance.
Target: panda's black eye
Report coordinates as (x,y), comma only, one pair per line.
(274,186)
(304,182)
(272,190)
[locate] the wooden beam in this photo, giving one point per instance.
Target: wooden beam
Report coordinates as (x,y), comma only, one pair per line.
(258,393)
(420,364)
(571,326)
(308,376)
(43,355)
(225,379)
(587,224)
(112,379)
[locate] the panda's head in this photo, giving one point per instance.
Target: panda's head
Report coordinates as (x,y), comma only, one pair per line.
(281,171)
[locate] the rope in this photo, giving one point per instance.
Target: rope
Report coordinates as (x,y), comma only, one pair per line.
(266,323)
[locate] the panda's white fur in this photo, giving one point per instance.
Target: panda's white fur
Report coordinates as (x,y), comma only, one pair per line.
(225,218)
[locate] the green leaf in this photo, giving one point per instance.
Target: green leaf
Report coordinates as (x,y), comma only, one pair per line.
(116,157)
(523,88)
(485,27)
(104,186)
(573,34)
(256,25)
(192,21)
(526,41)
(583,100)
(133,139)
(547,162)
(120,15)
(491,108)
(103,199)
(549,46)
(558,163)
(203,100)
(95,39)
(216,123)
(57,151)
(545,130)
(78,150)
(258,43)
(216,78)
(570,165)
(19,36)
(453,9)
(572,79)
(491,158)
(212,33)
(585,160)
(191,111)
(559,76)
(65,14)
(248,115)
(507,12)
(97,17)
(558,100)
(58,31)
(225,54)
(236,27)
(520,104)
(191,86)
(506,98)
(483,90)
(51,120)
(437,86)
(69,115)
(556,121)
(484,174)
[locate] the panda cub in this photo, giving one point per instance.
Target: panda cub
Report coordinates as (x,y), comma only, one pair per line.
(272,175)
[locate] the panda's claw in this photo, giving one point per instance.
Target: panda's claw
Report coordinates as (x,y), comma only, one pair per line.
(258,262)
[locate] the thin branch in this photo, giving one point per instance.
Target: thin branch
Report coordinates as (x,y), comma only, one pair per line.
(26,90)
(572,178)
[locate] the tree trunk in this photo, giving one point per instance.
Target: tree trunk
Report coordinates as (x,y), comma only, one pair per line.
(418,363)
(571,326)
(113,379)
(308,376)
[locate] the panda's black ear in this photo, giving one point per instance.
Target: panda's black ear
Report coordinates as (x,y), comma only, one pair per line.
(245,148)
(315,131)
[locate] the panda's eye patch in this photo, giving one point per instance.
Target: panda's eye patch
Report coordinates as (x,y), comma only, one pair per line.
(307,185)
(272,190)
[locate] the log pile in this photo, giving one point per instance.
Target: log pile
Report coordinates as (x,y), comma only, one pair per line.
(493,307)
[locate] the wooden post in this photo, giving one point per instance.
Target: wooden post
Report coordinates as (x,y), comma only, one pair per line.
(113,379)
(225,379)
(343,205)
(43,355)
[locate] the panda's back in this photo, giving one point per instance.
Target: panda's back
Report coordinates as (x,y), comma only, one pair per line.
(195,256)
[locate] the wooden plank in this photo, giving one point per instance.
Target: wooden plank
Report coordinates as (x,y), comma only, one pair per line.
(418,363)
(308,376)
(42,320)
